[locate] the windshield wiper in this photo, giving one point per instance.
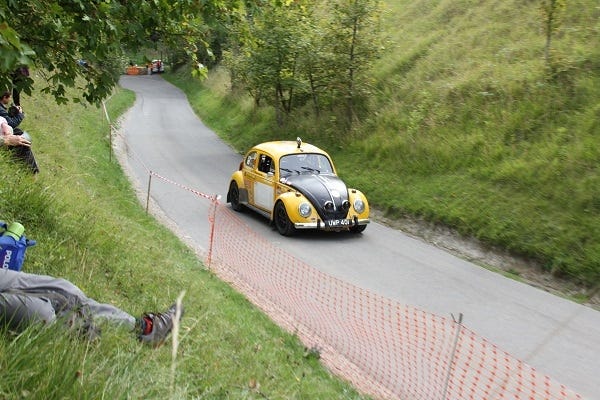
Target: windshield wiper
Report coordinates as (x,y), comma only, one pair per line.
(289,170)
(311,169)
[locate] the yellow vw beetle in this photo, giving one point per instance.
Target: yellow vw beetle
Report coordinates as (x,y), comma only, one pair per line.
(295,186)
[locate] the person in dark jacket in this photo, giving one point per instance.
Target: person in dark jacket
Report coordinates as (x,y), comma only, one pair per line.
(13,114)
(31,298)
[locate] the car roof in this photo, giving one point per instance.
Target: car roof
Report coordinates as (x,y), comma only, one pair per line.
(283,147)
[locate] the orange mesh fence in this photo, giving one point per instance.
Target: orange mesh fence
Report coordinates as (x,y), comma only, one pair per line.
(386,349)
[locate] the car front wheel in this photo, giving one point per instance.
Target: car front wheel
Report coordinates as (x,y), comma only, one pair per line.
(358,228)
(282,221)
(234,196)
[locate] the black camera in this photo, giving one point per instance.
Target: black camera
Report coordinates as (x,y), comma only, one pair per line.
(13,111)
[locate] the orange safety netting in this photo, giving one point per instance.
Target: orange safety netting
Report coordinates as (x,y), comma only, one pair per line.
(386,349)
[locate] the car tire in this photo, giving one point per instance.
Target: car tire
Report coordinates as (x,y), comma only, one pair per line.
(358,228)
(282,221)
(234,196)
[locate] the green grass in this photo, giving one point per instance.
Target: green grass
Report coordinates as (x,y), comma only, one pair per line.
(91,229)
(466,127)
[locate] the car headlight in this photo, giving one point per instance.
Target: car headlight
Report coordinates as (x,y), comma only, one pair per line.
(359,205)
(304,209)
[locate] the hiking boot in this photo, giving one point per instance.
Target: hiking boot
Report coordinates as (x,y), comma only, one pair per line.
(157,326)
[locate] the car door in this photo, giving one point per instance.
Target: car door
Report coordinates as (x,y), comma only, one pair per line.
(264,182)
(249,174)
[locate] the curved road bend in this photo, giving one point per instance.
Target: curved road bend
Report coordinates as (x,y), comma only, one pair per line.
(554,335)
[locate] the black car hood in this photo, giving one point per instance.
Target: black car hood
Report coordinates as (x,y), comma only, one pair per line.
(321,189)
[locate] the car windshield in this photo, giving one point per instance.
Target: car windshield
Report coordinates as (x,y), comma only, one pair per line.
(304,163)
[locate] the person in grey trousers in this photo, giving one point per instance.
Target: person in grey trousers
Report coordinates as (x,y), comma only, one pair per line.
(27,298)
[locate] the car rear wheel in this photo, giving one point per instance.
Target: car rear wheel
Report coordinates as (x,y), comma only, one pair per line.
(234,196)
(282,221)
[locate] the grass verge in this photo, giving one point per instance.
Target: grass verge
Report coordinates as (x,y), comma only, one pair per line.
(91,229)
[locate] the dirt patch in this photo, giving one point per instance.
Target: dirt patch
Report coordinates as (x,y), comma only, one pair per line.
(498,260)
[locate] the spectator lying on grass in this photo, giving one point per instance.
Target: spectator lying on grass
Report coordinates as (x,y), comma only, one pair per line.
(30,298)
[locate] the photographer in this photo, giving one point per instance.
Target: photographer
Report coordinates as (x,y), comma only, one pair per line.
(14,115)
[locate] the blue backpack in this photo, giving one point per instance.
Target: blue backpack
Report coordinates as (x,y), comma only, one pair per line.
(12,250)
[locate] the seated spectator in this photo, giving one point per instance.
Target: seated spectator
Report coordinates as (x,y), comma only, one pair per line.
(30,298)
(20,145)
(14,115)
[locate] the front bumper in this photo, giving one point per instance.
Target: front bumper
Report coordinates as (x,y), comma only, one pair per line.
(333,225)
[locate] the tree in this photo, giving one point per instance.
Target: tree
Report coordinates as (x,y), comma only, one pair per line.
(317,60)
(552,11)
(288,53)
(265,59)
(354,36)
(53,35)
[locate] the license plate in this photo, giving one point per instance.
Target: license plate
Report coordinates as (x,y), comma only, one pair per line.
(336,223)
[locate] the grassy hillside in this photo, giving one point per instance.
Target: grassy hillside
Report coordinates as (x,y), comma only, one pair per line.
(91,229)
(467,127)
(486,141)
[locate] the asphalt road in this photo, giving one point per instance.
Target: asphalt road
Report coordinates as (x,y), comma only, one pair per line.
(554,335)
